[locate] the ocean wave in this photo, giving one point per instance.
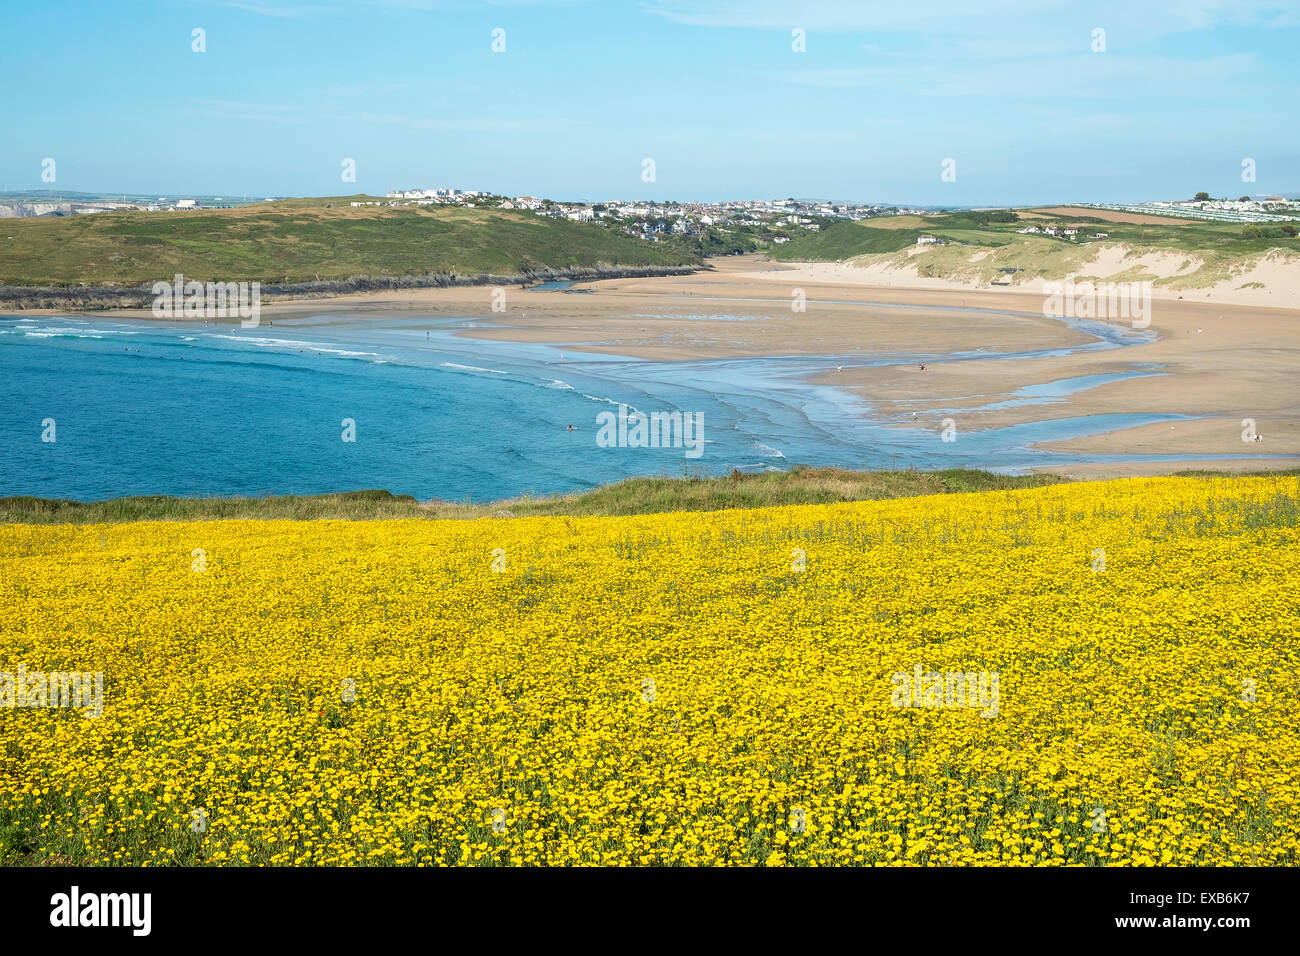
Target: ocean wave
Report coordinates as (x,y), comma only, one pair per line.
(257,340)
(344,352)
(79,332)
(631,409)
(60,335)
(94,331)
(768,451)
(471,368)
(270,343)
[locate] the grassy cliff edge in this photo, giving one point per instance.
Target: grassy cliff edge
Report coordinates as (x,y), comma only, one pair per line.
(650,495)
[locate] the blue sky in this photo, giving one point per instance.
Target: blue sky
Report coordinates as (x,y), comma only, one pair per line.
(711,90)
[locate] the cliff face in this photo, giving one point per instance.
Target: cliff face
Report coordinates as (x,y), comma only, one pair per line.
(28,210)
(25,210)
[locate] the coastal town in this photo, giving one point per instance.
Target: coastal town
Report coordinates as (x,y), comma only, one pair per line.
(652,221)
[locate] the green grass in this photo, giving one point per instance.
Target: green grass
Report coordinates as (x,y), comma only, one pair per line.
(301,240)
(651,495)
(846,239)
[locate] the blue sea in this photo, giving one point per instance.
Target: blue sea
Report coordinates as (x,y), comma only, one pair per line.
(187,408)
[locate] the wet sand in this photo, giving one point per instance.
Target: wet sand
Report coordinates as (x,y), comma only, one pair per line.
(1220,363)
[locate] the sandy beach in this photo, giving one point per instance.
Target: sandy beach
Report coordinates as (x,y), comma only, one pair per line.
(1218,363)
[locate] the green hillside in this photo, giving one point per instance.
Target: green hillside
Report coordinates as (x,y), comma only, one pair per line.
(300,240)
(843,240)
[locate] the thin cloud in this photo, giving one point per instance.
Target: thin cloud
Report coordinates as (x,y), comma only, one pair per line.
(1082,76)
(256,112)
(281,113)
(473,124)
(997,17)
(843,15)
(263,10)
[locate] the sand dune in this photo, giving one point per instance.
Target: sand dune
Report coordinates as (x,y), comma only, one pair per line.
(1271,281)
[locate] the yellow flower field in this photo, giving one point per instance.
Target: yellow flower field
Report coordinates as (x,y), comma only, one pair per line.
(673,689)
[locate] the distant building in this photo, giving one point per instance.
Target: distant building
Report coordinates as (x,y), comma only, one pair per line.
(929,241)
(187,204)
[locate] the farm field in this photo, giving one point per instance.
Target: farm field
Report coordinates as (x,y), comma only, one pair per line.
(721,688)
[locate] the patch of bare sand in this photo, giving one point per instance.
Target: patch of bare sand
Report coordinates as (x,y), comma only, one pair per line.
(678,317)
(1217,366)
